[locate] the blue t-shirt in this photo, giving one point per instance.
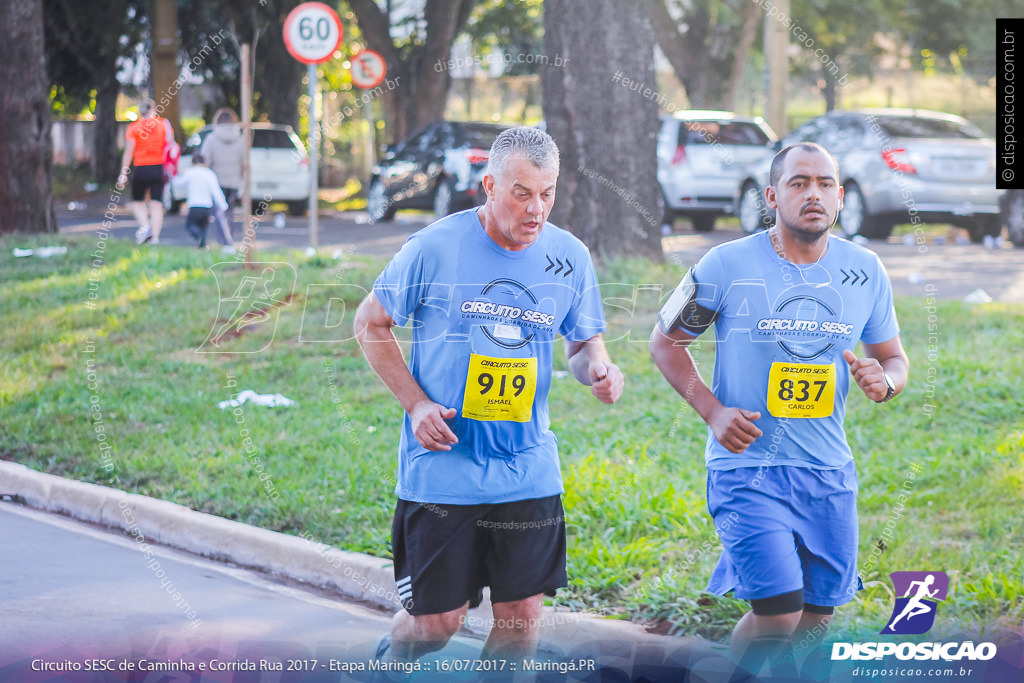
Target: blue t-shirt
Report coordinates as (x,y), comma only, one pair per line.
(484,325)
(780,332)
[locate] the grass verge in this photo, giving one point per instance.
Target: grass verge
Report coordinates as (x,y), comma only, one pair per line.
(109,377)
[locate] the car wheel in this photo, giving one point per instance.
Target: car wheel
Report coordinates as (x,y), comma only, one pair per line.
(1013,216)
(753,213)
(444,198)
(378,205)
(980,227)
(854,218)
(703,222)
(298,208)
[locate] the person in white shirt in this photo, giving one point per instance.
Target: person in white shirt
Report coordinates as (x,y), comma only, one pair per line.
(203,194)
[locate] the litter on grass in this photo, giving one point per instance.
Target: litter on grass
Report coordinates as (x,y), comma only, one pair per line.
(271,400)
(41,252)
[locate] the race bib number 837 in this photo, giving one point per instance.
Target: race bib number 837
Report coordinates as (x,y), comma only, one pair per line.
(500,388)
(801,390)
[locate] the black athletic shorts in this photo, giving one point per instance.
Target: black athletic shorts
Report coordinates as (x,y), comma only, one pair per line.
(148,178)
(445,554)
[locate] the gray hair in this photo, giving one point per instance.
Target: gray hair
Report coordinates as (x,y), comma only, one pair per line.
(533,144)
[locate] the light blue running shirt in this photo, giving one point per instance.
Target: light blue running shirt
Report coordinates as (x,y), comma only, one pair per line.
(484,325)
(780,333)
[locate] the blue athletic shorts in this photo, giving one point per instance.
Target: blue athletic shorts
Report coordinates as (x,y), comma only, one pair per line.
(784,528)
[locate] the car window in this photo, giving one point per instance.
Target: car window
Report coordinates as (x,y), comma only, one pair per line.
(841,134)
(809,132)
(481,137)
(921,127)
(722,132)
(271,138)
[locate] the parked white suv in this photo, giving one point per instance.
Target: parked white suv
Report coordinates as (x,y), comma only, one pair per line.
(278,168)
(701,157)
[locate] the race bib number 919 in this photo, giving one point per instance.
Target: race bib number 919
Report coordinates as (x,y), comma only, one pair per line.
(500,388)
(801,390)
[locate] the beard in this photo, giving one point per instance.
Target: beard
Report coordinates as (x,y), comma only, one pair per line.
(809,233)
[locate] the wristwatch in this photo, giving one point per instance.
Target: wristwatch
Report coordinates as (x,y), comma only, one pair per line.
(891,388)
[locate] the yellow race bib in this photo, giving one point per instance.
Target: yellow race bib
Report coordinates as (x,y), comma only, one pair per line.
(500,388)
(801,390)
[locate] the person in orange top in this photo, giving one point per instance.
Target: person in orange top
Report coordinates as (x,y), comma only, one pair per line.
(145,146)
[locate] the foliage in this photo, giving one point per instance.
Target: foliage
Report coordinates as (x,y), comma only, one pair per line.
(84,41)
(512,28)
(955,35)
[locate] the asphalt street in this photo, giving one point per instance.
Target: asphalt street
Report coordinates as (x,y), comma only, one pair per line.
(74,595)
(921,268)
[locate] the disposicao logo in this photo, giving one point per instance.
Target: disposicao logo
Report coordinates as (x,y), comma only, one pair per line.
(914,612)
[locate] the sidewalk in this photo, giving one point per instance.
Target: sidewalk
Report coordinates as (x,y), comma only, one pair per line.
(149,523)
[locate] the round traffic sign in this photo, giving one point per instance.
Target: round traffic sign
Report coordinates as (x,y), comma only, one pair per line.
(312,32)
(368,69)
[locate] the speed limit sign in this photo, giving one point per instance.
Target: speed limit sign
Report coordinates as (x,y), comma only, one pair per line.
(368,69)
(312,32)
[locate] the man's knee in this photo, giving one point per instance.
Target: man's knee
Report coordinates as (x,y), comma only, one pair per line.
(438,628)
(522,616)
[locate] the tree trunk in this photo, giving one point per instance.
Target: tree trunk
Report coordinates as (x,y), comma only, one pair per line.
(606,128)
(687,52)
(25,146)
(829,91)
(751,16)
(278,77)
(164,63)
(106,160)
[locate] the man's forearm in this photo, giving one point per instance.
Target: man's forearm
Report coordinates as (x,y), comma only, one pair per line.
(898,370)
(385,357)
(681,372)
(579,362)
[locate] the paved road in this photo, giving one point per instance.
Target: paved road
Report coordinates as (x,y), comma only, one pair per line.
(70,592)
(348,230)
(946,271)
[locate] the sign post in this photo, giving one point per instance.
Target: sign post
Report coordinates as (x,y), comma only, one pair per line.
(312,33)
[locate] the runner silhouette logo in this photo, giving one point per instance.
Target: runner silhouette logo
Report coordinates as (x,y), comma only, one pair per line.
(914,612)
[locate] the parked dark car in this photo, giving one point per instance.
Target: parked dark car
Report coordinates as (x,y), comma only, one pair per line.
(895,163)
(439,167)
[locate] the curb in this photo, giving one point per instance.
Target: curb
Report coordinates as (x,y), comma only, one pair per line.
(363,577)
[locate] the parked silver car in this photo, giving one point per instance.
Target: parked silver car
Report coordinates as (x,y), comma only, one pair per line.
(895,164)
(701,157)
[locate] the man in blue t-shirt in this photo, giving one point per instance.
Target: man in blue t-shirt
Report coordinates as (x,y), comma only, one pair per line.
(788,306)
(487,291)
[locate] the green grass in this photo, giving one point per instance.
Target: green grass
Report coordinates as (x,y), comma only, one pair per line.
(641,545)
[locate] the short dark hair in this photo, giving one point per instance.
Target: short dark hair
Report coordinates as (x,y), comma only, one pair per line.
(198,158)
(780,160)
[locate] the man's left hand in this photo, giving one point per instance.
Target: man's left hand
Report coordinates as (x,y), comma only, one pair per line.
(868,374)
(606,381)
